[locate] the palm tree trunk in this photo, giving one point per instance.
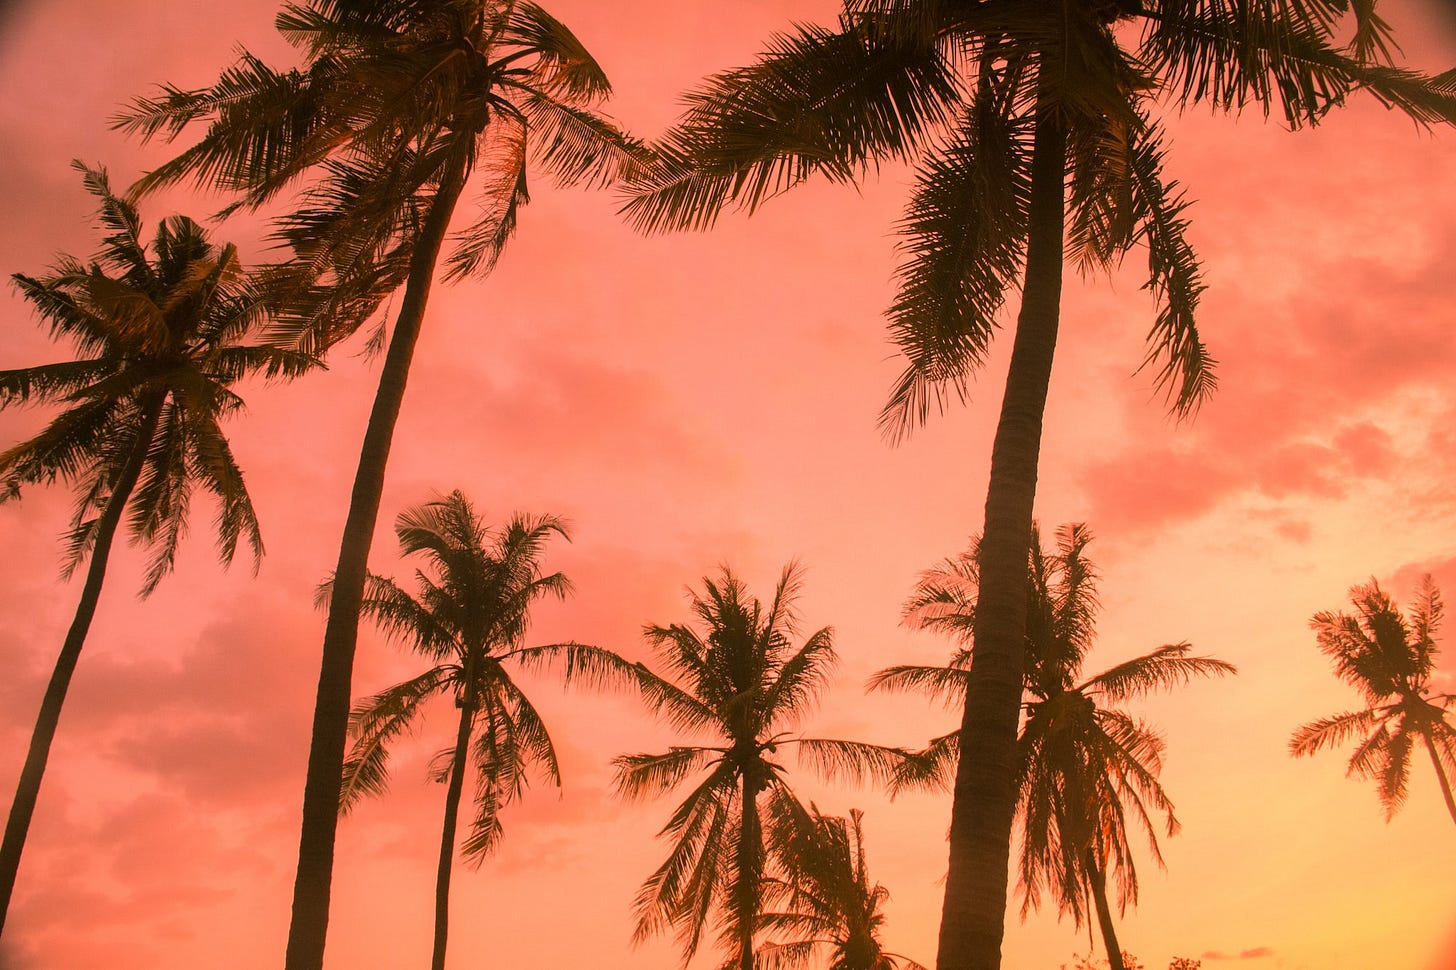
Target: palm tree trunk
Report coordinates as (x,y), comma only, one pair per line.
(28,790)
(447,836)
(973,917)
(1098,880)
(749,873)
(309,926)
(1441,777)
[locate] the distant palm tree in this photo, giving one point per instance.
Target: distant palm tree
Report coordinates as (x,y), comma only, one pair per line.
(1083,766)
(470,617)
(742,681)
(829,902)
(1033,127)
(1390,661)
(400,106)
(160,336)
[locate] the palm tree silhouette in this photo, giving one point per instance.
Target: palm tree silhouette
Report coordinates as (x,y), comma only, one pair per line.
(469,618)
(829,902)
(1389,661)
(1084,767)
(400,107)
(160,337)
(741,680)
(1032,128)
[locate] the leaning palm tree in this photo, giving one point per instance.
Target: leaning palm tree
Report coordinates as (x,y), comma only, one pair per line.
(1084,767)
(469,619)
(1389,660)
(160,336)
(829,903)
(743,682)
(402,108)
(1033,130)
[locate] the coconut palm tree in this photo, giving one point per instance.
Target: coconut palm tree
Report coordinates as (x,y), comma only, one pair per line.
(160,337)
(829,902)
(740,680)
(403,108)
(1084,767)
(469,619)
(1389,660)
(1032,129)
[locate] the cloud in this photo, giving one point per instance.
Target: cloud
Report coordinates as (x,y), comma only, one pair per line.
(1254,953)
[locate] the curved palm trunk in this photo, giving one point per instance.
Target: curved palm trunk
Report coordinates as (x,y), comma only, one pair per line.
(1098,881)
(973,917)
(447,837)
(309,926)
(1441,777)
(28,790)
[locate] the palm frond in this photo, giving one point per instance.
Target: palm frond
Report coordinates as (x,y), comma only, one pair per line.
(817,102)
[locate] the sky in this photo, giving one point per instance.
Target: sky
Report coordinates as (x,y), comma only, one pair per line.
(695,400)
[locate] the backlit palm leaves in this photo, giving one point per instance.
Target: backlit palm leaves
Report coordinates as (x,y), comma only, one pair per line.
(739,680)
(828,903)
(161,334)
(1390,661)
(401,108)
(1033,130)
(1086,771)
(470,617)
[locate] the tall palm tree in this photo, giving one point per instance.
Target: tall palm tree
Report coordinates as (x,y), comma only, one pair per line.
(469,619)
(1389,660)
(160,338)
(1032,128)
(401,107)
(829,902)
(1083,765)
(741,680)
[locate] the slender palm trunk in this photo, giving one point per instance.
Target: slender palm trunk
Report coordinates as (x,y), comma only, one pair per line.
(1098,880)
(447,835)
(28,790)
(1441,778)
(750,867)
(973,918)
(309,927)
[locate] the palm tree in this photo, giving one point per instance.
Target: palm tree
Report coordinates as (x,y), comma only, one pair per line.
(401,106)
(742,681)
(159,336)
(1390,661)
(1084,767)
(829,902)
(1032,129)
(469,619)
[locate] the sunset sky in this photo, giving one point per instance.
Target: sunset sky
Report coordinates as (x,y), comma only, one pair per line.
(692,400)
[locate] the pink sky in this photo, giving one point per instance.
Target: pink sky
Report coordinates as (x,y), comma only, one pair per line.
(699,399)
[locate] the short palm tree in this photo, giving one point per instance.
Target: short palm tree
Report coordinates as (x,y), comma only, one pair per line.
(403,108)
(470,618)
(1084,767)
(741,680)
(160,336)
(1033,130)
(829,903)
(1389,660)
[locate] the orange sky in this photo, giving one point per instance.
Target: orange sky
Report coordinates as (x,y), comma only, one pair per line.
(692,400)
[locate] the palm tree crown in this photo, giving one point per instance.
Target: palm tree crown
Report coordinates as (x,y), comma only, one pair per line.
(740,679)
(161,336)
(1389,660)
(470,618)
(829,902)
(401,105)
(1085,768)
